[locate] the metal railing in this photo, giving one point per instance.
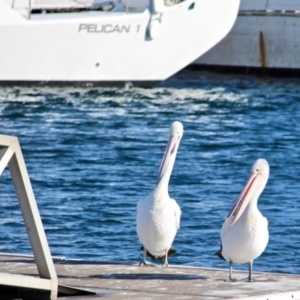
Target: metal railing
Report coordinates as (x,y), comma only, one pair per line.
(11,156)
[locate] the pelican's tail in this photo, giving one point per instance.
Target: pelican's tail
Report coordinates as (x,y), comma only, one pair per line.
(162,257)
(219,253)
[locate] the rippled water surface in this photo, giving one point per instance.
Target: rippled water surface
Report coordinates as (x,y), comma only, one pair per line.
(93,153)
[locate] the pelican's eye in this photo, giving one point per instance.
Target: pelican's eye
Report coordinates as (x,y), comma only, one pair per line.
(257,170)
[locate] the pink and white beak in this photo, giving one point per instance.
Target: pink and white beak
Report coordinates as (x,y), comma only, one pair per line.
(170,150)
(254,182)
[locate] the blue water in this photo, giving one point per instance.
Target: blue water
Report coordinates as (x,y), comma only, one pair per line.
(93,153)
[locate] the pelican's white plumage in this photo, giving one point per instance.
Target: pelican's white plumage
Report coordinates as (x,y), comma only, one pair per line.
(245,235)
(158,216)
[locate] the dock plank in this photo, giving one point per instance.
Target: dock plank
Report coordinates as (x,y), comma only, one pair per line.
(125,281)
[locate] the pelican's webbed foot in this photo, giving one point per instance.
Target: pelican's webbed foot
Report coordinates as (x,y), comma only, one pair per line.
(145,263)
(230,279)
(248,279)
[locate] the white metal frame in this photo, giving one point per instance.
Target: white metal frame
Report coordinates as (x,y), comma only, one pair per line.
(11,156)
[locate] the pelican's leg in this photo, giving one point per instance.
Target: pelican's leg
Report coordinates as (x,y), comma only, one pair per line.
(144,262)
(250,270)
(230,272)
(249,278)
(165,264)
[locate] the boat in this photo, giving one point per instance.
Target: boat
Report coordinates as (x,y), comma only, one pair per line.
(131,42)
(263,39)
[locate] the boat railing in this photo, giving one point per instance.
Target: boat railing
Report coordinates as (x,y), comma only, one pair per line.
(27,8)
(270,5)
(269,12)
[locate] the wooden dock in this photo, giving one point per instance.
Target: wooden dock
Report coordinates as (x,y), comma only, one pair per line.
(124,281)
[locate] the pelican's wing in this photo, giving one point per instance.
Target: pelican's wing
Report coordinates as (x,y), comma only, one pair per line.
(139,210)
(226,226)
(139,203)
(177,212)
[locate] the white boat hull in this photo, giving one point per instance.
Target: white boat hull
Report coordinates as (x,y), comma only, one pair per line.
(110,47)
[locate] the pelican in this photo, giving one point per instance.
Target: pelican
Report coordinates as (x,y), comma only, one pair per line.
(158,216)
(244,234)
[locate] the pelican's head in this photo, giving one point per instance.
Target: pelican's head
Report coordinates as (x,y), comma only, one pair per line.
(253,188)
(261,166)
(176,129)
(176,132)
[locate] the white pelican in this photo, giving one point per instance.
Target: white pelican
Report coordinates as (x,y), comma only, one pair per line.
(244,234)
(158,216)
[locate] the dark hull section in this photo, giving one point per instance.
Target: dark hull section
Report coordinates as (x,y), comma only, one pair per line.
(280,72)
(83,84)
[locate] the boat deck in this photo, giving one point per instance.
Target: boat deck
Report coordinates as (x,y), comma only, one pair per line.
(121,281)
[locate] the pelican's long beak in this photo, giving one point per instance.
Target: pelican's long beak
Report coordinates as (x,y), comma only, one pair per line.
(171,147)
(245,196)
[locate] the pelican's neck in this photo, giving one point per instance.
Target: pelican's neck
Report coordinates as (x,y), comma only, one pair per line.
(252,208)
(160,193)
(161,190)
